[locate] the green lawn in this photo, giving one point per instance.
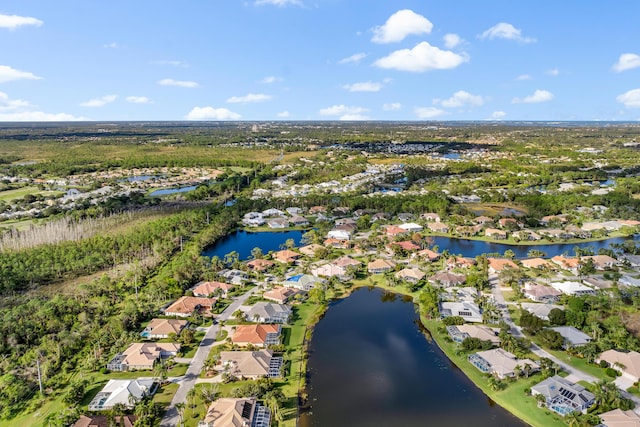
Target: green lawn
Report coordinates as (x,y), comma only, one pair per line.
(581,364)
(19,193)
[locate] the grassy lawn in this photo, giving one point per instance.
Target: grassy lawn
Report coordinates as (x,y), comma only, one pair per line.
(512,397)
(165,393)
(581,364)
(36,417)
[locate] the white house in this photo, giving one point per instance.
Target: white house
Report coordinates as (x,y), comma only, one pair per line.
(122,391)
(573,288)
(469,311)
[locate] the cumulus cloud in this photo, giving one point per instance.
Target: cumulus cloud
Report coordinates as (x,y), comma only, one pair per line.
(99,102)
(8,74)
(7,104)
(14,21)
(210,113)
(428,112)
(179,83)
(627,61)
(392,106)
(553,72)
(459,99)
(112,45)
(423,57)
(524,77)
(505,31)
(354,59)
(249,98)
(138,100)
(452,40)
(18,110)
(283,114)
(271,79)
(279,3)
(400,25)
(364,87)
(630,99)
(538,96)
(344,112)
(498,115)
(353,117)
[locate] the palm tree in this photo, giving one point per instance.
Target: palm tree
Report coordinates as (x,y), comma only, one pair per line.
(573,419)
(494,383)
(180,408)
(517,371)
(527,369)
(210,393)
(541,400)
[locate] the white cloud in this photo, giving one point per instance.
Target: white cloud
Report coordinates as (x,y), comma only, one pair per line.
(459,99)
(524,77)
(112,45)
(179,83)
(401,24)
(392,106)
(7,104)
(452,40)
(342,110)
(99,102)
(138,100)
(627,61)
(210,113)
(39,116)
(271,79)
(279,3)
(173,63)
(14,21)
(283,114)
(423,57)
(251,97)
(8,74)
(630,99)
(498,115)
(355,58)
(505,31)
(364,87)
(428,112)
(353,117)
(553,72)
(538,96)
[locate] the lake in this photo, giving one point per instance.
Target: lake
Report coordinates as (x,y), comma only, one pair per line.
(243,242)
(370,365)
(167,191)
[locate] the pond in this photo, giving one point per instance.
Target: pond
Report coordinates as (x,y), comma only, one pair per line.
(243,242)
(167,191)
(381,371)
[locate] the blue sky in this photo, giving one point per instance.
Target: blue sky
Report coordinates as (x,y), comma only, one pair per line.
(319,60)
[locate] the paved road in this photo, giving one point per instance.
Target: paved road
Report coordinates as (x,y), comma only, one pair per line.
(171,417)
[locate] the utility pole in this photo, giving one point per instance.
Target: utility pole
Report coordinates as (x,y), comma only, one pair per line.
(39,377)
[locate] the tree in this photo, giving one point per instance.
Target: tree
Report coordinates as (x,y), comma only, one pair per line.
(557,317)
(180,408)
(256,253)
(550,338)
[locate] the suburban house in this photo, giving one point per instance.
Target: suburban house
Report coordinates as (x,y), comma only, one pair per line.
(620,418)
(339,234)
(469,311)
(459,333)
(460,262)
(161,328)
(271,212)
(572,337)
(525,234)
(573,288)
(278,222)
(299,221)
(483,220)
(330,270)
(251,364)
(103,421)
(509,222)
(438,227)
(429,254)
(304,282)
(430,216)
(268,312)
(500,363)
(540,293)
(260,335)
(337,243)
(569,264)
(538,263)
(286,256)
(406,245)
(142,356)
(294,210)
(347,261)
(205,289)
(627,363)
(447,279)
(496,265)
(122,391)
(310,250)
(412,275)
(186,306)
(495,233)
(314,210)
(601,262)
(259,265)
(280,294)
(236,412)
(380,266)
(253,219)
(540,310)
(411,227)
(394,230)
(562,396)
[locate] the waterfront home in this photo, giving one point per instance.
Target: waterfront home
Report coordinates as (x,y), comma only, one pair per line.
(496,265)
(339,234)
(483,220)
(562,396)
(526,234)
(598,282)
(500,363)
(601,262)
(556,233)
(260,335)
(467,293)
(429,254)
(310,250)
(253,219)
(124,392)
(280,294)
(103,421)
(460,262)
(619,418)
(411,275)
(294,210)
(303,282)
(495,233)
(186,306)
(573,288)
(509,223)
(430,217)
(234,276)
(559,219)
(438,227)
(278,222)
(331,270)
(469,311)
(540,310)
(627,363)
(459,333)
(286,256)
(268,312)
(206,289)
(380,266)
(447,279)
(572,337)
(259,265)
(299,221)
(162,328)
(142,356)
(540,293)
(538,264)
(251,364)
(236,412)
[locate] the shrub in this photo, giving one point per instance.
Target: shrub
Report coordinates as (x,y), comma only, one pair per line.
(610,372)
(604,364)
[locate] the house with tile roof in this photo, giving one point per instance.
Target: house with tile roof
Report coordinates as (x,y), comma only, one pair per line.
(260,335)
(205,289)
(185,306)
(162,328)
(499,362)
(280,294)
(627,363)
(250,364)
(142,356)
(236,412)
